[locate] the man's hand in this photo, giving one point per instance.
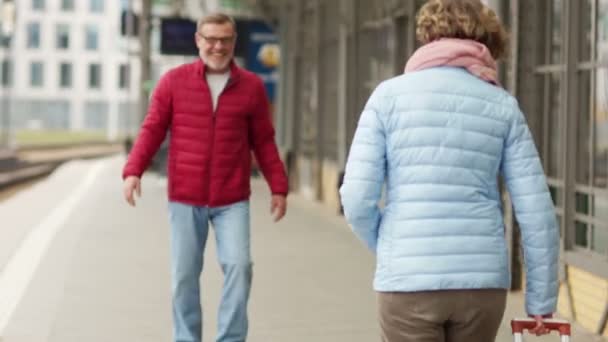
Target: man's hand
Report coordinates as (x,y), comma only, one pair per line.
(278,206)
(131,184)
(540,328)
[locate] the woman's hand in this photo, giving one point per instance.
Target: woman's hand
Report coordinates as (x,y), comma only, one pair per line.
(540,328)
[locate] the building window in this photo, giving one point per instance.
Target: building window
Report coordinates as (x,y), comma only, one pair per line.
(546,80)
(38,4)
(36,74)
(564,94)
(95,76)
(96,115)
(600,143)
(4,41)
(33,35)
(123,76)
(63,36)
(589,136)
(550,73)
(96,6)
(91,37)
(6,73)
(65,75)
(67,5)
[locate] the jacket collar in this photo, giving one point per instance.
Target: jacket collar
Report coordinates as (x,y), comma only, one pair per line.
(235,70)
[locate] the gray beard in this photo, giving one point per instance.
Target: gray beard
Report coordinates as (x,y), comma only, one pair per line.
(224,66)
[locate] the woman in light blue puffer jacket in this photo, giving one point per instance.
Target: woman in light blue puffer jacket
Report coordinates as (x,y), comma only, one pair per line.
(438,137)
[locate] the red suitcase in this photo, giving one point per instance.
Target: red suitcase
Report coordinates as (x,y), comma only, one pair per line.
(519,325)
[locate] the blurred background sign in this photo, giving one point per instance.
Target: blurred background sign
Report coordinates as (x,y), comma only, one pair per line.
(232,5)
(262,53)
(177,37)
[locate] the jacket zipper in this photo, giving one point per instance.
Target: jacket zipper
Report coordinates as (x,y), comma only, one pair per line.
(210,161)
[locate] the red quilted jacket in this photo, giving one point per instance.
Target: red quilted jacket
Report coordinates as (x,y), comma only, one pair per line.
(209,153)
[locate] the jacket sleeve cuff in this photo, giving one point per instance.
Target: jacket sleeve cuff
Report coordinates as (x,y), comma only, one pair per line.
(127,173)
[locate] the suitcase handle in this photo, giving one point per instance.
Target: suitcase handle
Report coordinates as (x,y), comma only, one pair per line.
(518,325)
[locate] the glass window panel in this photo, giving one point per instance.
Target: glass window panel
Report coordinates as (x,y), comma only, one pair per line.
(586,33)
(555,195)
(65,75)
(582,203)
(4,41)
(125,115)
(6,73)
(550,149)
(123,76)
(52,114)
(580,237)
(583,141)
(67,5)
(96,115)
(600,158)
(95,76)
(91,37)
(602,32)
(38,4)
(556,31)
(36,74)
(33,35)
(96,6)
(402,37)
(599,240)
(600,208)
(63,36)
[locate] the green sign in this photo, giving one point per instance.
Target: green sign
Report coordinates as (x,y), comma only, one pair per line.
(231,4)
(148,85)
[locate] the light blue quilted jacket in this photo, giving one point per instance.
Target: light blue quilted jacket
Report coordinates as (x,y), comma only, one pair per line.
(437,140)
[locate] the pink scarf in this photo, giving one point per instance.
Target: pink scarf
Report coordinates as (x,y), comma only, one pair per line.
(469,54)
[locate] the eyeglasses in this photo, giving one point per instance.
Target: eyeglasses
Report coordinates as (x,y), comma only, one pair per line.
(214,40)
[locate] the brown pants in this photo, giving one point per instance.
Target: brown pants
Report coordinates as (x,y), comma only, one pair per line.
(441,316)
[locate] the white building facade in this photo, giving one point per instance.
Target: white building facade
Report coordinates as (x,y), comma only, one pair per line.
(69,68)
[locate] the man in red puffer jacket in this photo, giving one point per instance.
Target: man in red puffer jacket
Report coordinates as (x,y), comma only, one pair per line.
(216,112)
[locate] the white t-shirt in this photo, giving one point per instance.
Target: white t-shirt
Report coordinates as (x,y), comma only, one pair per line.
(216,83)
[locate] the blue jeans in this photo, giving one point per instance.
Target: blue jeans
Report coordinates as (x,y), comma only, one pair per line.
(189,228)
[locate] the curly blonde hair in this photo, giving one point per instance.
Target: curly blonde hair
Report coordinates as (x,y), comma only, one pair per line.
(464,19)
